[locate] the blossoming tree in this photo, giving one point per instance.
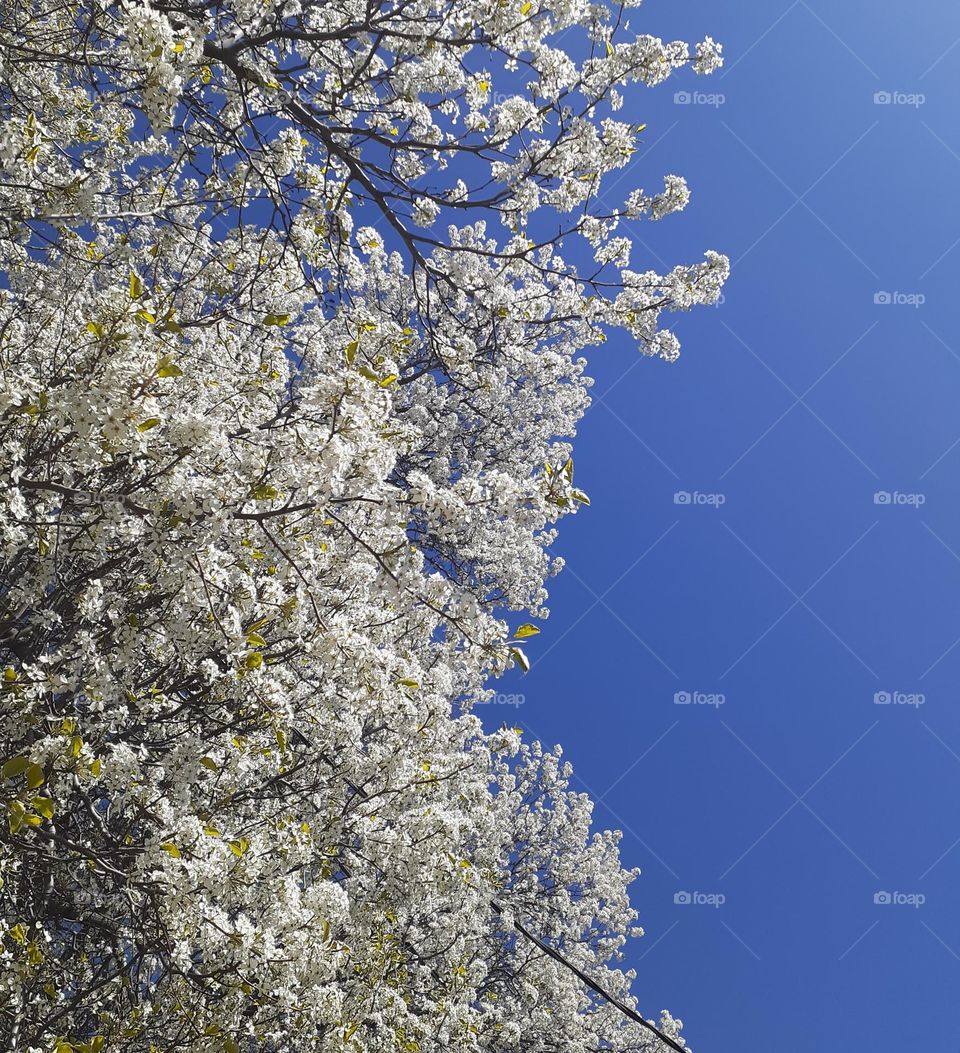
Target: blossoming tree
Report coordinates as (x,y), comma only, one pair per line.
(292,296)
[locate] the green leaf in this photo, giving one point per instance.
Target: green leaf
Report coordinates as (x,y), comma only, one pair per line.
(146,425)
(35,777)
(171,849)
(255,640)
(276,319)
(266,492)
(412,684)
(524,631)
(253,660)
(136,287)
(209,762)
(240,846)
(350,351)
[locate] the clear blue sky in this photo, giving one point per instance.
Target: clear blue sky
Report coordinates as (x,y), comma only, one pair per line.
(799,599)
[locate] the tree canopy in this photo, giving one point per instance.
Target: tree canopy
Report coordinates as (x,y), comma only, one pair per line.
(292,302)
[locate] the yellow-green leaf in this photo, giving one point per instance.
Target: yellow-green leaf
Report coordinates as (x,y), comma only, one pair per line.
(171,849)
(253,660)
(520,659)
(525,631)
(76,745)
(240,846)
(14,767)
(255,640)
(146,425)
(209,762)
(412,684)
(35,777)
(276,319)
(350,351)
(16,814)
(43,806)
(265,492)
(168,368)
(388,380)
(136,287)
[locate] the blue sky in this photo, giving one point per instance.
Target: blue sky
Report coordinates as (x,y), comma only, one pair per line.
(799,599)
